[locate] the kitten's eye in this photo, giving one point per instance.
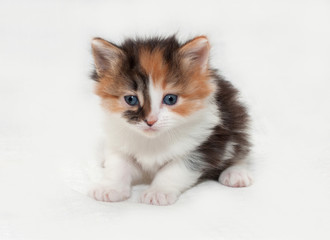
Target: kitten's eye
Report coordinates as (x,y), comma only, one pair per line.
(131,100)
(170,99)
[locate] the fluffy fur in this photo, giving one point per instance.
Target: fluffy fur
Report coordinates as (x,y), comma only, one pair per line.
(173,147)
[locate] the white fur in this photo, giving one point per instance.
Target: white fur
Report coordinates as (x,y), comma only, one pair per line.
(133,155)
(236,176)
(156,98)
(182,136)
(117,178)
(169,182)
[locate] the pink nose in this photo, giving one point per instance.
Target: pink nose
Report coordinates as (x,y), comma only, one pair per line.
(150,122)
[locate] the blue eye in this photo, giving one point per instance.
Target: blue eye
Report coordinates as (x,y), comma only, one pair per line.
(131,100)
(170,99)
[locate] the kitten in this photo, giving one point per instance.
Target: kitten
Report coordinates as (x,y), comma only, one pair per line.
(171,120)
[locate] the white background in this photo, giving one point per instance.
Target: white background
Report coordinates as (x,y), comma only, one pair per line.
(276,52)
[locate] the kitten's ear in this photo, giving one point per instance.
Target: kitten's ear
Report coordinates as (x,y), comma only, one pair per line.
(195,53)
(106,55)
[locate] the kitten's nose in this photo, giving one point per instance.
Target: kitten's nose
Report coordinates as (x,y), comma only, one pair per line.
(150,122)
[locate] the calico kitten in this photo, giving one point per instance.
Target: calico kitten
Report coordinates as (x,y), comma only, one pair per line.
(171,120)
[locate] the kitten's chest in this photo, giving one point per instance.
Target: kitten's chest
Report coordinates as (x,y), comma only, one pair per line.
(152,154)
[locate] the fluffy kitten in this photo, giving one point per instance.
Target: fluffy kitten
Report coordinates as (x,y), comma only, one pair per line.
(171,120)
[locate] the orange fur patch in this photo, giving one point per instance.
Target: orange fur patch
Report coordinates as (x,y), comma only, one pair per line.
(113,104)
(152,62)
(193,91)
(108,59)
(191,102)
(187,107)
(110,101)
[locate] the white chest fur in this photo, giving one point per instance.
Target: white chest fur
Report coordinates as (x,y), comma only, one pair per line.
(151,153)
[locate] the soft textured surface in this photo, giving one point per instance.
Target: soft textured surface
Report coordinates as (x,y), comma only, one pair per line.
(276,52)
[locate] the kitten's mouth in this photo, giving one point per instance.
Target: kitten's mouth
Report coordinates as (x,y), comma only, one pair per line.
(150,130)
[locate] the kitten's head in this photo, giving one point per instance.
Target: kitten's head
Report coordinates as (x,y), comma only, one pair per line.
(153,85)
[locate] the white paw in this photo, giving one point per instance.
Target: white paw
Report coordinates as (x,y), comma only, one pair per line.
(159,197)
(235,177)
(108,194)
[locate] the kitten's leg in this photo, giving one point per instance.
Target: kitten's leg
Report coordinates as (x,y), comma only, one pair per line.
(119,172)
(236,175)
(170,181)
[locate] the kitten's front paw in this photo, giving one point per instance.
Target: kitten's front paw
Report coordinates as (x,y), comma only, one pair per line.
(159,197)
(107,194)
(235,177)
